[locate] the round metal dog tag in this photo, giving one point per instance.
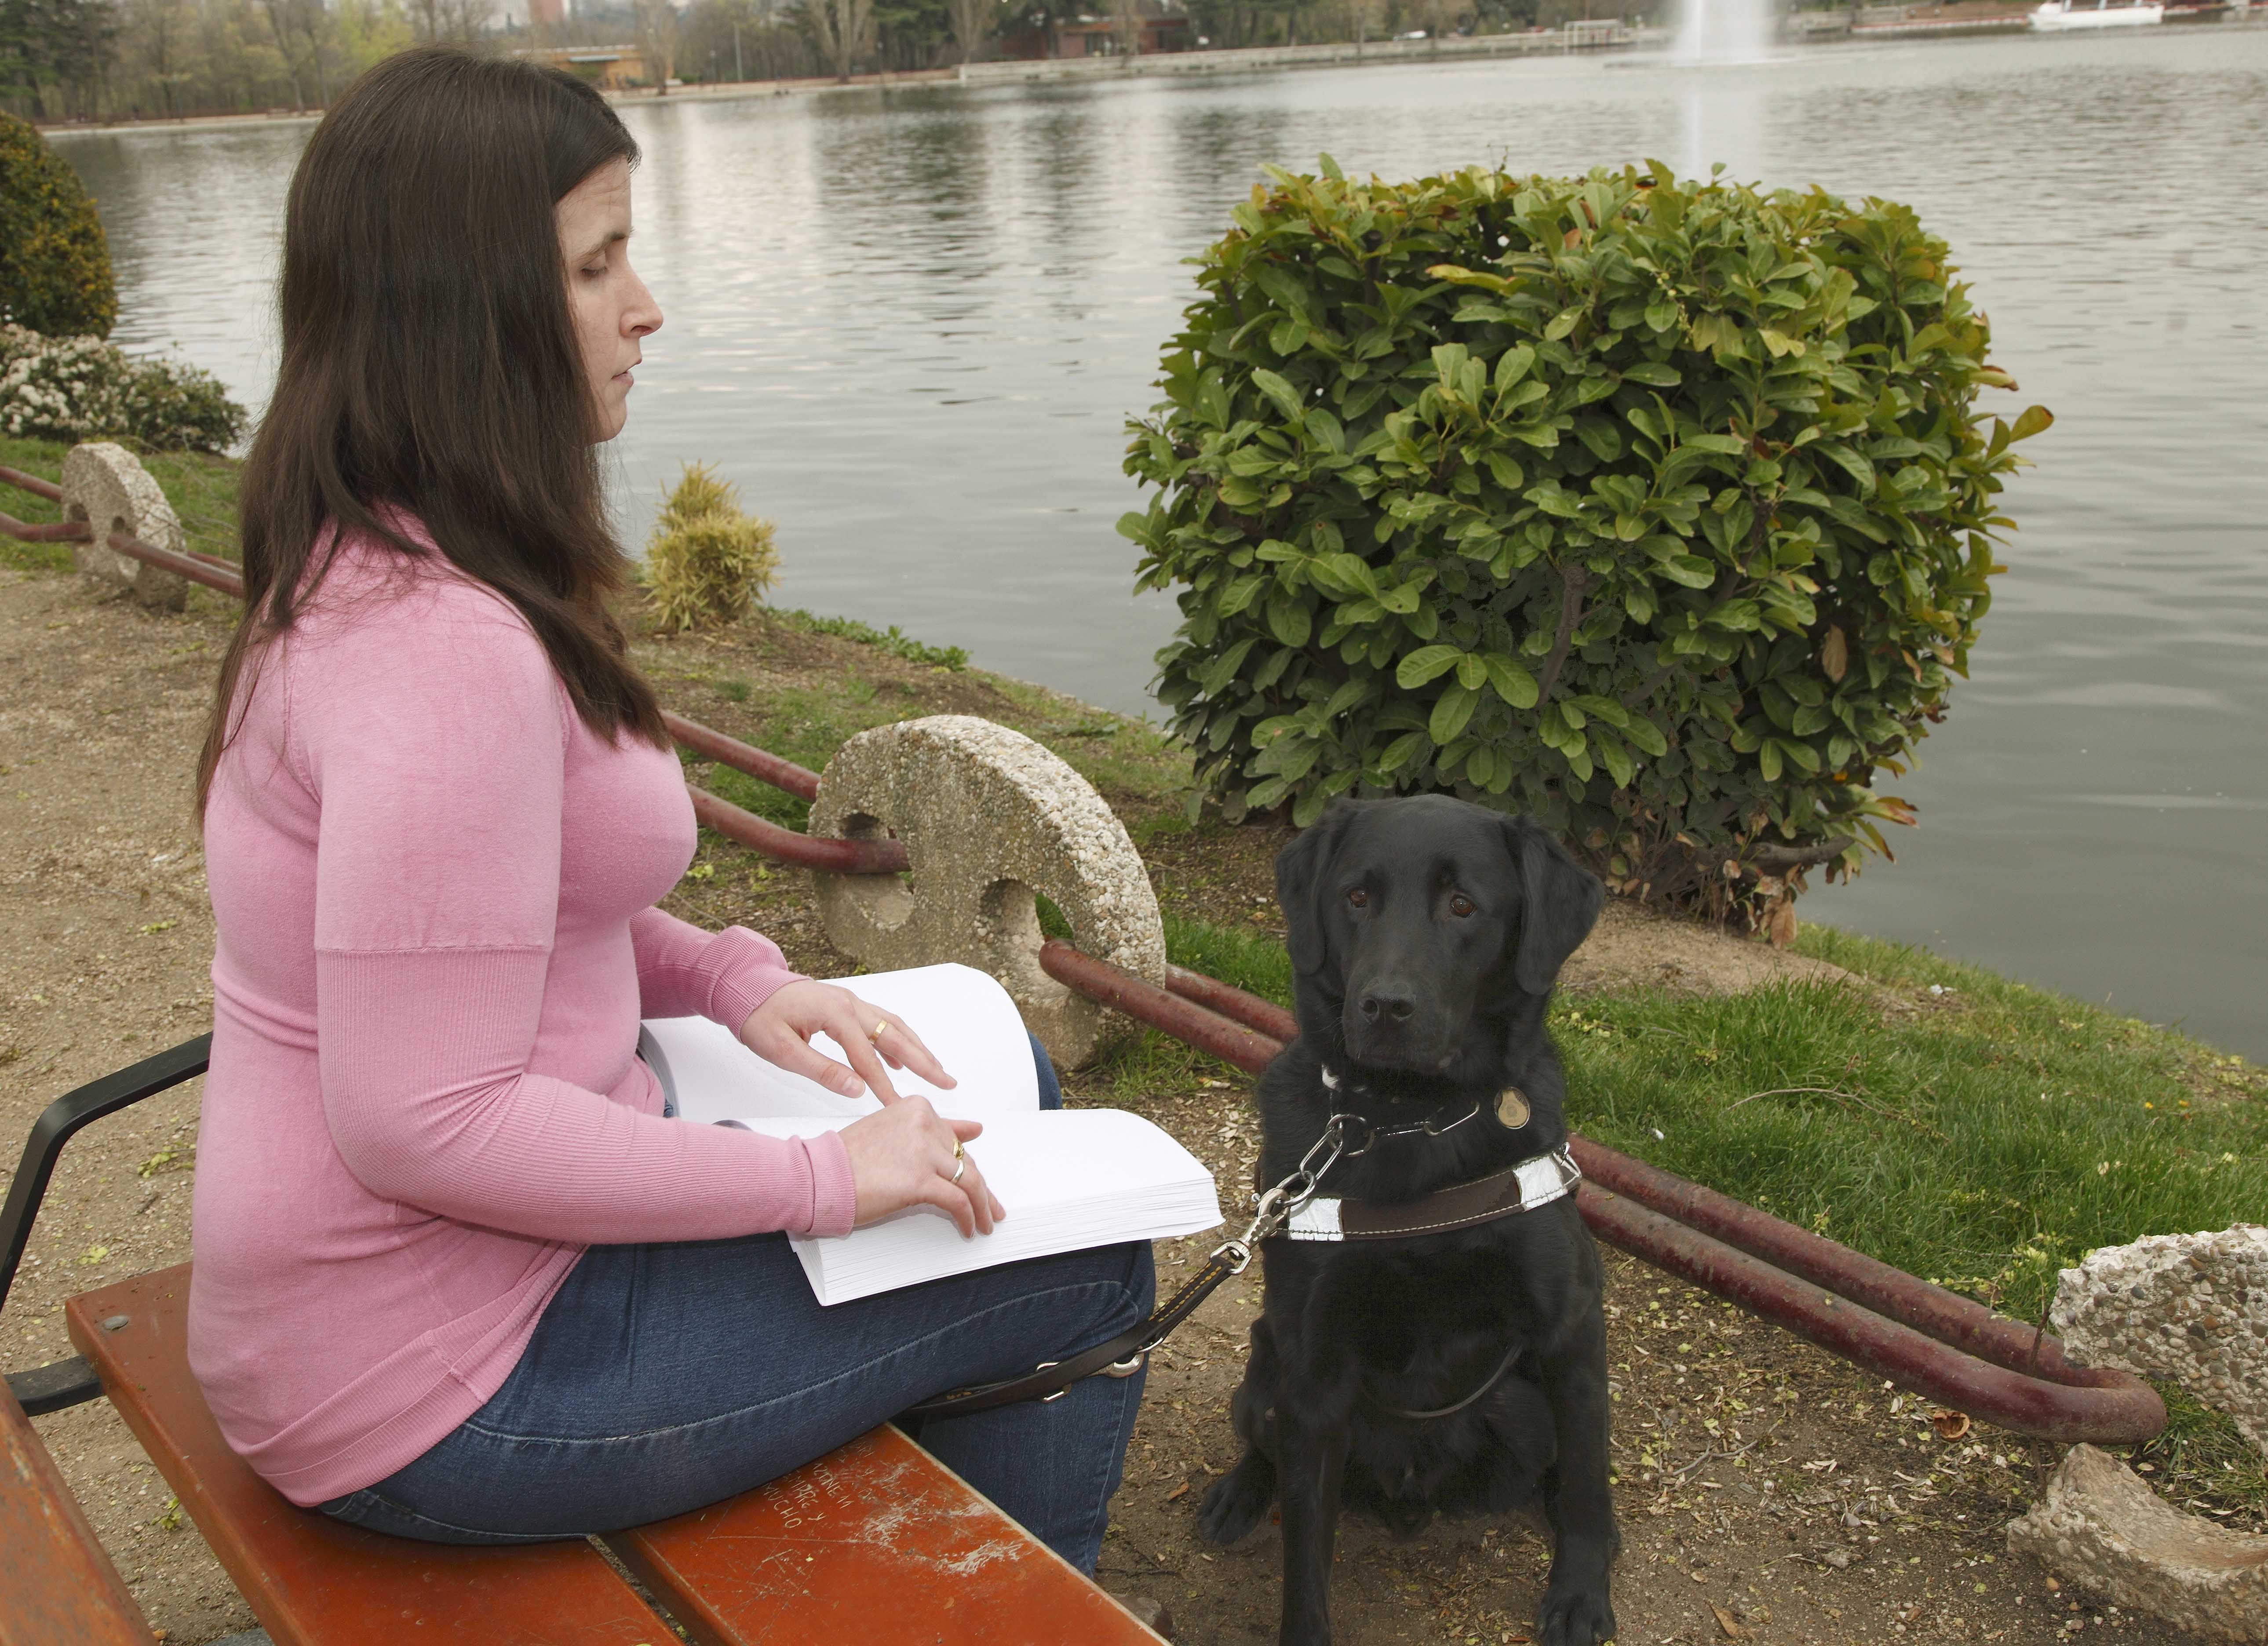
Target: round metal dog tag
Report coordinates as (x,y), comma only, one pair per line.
(1512,1109)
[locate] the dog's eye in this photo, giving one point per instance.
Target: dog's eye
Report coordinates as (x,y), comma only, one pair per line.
(1359,898)
(1461,906)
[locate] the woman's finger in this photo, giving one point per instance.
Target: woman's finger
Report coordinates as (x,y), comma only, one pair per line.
(968,1202)
(906,1050)
(791,1052)
(848,1025)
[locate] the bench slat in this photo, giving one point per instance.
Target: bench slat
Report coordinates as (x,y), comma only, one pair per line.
(878,1543)
(311,1580)
(55,1582)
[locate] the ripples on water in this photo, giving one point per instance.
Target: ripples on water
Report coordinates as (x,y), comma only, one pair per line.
(910,323)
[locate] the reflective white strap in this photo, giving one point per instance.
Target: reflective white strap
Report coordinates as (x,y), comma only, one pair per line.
(1317,1220)
(1544,1180)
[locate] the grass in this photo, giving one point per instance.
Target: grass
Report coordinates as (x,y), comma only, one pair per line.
(891,639)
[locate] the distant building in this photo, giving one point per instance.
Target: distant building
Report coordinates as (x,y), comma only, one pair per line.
(1154,32)
(609,68)
(547,12)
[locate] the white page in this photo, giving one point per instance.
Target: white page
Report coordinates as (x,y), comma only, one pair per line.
(964,1016)
(1072,1180)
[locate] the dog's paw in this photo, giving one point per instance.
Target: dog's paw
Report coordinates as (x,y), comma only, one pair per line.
(1237,1502)
(1575,1617)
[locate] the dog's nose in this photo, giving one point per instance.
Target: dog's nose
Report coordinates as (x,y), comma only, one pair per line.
(1397,1007)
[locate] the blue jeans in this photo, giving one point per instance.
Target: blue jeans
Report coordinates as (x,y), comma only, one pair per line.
(665,1376)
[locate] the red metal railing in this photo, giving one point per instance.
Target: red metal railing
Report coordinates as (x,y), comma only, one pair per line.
(1956,1351)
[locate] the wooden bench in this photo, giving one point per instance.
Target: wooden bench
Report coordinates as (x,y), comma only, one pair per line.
(877,1542)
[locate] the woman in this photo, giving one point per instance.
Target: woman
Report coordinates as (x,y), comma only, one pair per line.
(457,1276)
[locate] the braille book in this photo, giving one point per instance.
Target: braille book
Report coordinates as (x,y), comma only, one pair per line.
(1070,1178)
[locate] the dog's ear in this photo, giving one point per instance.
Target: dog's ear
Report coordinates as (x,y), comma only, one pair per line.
(1300,867)
(1560,902)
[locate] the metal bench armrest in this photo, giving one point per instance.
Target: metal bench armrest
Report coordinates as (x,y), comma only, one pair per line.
(63,1117)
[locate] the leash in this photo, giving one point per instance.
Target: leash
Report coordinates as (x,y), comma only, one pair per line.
(1122,1356)
(1292,1208)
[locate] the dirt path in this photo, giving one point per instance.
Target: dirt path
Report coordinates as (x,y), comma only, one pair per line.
(1768,1492)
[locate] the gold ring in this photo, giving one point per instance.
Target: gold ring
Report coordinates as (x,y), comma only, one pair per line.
(957,1155)
(875,1033)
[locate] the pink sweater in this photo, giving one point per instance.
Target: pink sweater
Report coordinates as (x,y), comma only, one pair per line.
(434,892)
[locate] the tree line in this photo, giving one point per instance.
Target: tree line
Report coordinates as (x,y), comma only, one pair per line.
(106,59)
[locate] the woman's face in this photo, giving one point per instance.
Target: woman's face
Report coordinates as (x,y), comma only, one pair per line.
(611,308)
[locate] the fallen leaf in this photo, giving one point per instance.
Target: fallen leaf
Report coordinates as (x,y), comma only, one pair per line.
(1179,1491)
(1735,1630)
(1949,1425)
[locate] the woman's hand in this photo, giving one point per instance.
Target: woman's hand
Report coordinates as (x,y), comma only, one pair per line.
(780,1031)
(907,1155)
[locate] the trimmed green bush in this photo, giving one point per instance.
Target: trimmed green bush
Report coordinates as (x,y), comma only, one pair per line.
(1660,510)
(707,562)
(54,263)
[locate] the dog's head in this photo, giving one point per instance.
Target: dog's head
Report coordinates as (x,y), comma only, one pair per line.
(1415,916)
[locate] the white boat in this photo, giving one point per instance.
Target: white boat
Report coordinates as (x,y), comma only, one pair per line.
(2057,15)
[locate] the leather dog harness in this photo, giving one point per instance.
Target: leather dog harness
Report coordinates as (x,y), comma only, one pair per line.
(1292,1209)
(1536,1181)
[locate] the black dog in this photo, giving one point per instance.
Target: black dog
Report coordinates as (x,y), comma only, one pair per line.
(1426,935)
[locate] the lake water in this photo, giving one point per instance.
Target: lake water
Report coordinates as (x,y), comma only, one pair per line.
(909,324)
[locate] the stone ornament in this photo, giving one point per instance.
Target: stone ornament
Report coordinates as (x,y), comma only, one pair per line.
(2188,1309)
(2101,1527)
(988,819)
(105,485)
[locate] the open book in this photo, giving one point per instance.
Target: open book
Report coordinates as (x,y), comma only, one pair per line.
(1070,1179)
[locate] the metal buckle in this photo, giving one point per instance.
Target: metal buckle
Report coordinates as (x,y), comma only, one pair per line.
(1059,1394)
(1125,1368)
(1243,1257)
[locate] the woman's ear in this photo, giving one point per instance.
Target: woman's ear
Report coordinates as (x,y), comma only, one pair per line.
(1560,901)
(1300,871)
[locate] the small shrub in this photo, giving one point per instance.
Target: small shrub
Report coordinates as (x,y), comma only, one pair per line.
(707,562)
(54,263)
(1658,509)
(83,388)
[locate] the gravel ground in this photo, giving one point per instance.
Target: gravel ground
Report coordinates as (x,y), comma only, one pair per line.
(1768,1492)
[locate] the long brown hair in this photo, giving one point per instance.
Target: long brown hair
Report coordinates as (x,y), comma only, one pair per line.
(429,364)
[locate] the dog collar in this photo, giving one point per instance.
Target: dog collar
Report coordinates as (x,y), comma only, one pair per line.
(1513,1110)
(1536,1181)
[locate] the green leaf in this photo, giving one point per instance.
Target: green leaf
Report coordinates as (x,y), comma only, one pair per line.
(1451,713)
(1472,673)
(1500,464)
(1424,665)
(1850,462)
(1515,685)
(1613,756)
(1690,570)
(1241,593)
(1277,389)
(1654,373)
(1403,750)
(2031,421)
(1511,365)
(1768,759)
